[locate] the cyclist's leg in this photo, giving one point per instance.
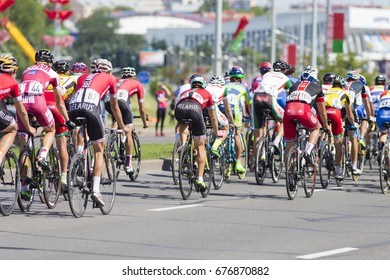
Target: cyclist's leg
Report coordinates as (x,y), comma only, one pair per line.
(277,114)
(334,116)
(9,128)
(223,123)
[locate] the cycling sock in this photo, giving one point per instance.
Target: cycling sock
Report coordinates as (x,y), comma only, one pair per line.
(128,160)
(309,147)
(63,178)
(43,152)
(79,149)
(217,142)
(354,165)
(96,183)
(200,179)
(277,141)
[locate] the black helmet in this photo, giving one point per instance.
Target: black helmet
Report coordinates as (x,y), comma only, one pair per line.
(339,81)
(328,77)
(279,66)
(61,66)
(380,80)
(44,56)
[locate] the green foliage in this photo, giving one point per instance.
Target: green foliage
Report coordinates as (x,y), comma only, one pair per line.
(259,11)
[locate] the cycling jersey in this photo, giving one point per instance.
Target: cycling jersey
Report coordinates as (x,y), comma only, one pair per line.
(200,95)
(8,87)
(217,93)
(383,115)
(376,92)
(274,83)
(336,98)
(234,93)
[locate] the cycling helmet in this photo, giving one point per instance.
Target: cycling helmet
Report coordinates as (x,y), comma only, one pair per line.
(194,76)
(44,55)
(380,80)
(362,80)
(290,69)
(279,65)
(236,72)
(217,79)
(328,77)
(339,81)
(265,67)
(197,82)
(8,64)
(79,67)
(128,72)
(61,66)
(352,75)
(309,74)
(104,66)
(94,65)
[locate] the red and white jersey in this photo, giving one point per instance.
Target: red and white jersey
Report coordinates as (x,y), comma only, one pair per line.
(128,88)
(326,87)
(100,83)
(37,78)
(9,86)
(273,83)
(200,95)
(216,92)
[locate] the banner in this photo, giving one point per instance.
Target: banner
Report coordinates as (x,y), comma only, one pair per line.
(151,58)
(239,35)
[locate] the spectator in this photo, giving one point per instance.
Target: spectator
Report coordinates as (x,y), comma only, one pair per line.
(162,96)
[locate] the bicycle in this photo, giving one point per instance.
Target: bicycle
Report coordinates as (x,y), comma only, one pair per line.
(384,163)
(116,149)
(230,153)
(372,147)
(327,159)
(80,174)
(46,183)
(265,155)
(298,173)
(188,170)
(9,183)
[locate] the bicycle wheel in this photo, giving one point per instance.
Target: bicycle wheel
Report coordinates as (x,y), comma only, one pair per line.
(384,170)
(309,175)
(244,155)
(277,163)
(51,180)
(372,151)
(250,154)
(326,165)
(136,156)
(186,172)
(27,175)
(175,161)
(112,149)
(219,166)
(77,185)
(261,162)
(9,183)
(292,173)
(108,184)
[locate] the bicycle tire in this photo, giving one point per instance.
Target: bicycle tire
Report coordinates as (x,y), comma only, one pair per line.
(243,155)
(175,161)
(77,185)
(136,156)
(108,184)
(9,183)
(384,169)
(219,166)
(309,175)
(186,172)
(324,171)
(208,174)
(372,150)
(261,164)
(250,154)
(277,164)
(112,149)
(292,173)
(27,173)
(51,180)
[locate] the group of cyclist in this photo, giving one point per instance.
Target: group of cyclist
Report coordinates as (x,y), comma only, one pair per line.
(56,95)
(335,104)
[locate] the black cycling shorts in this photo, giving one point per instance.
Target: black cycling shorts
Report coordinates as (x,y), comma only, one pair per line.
(127,113)
(94,123)
(188,109)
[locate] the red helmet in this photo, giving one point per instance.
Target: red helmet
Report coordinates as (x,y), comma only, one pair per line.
(265,67)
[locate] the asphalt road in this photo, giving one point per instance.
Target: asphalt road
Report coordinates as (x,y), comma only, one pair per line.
(241,221)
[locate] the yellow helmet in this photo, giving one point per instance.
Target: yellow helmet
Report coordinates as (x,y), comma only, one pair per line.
(8,64)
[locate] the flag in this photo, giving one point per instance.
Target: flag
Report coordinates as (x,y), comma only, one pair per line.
(5,4)
(239,35)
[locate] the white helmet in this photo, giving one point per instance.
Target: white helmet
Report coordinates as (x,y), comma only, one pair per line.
(309,74)
(217,79)
(104,66)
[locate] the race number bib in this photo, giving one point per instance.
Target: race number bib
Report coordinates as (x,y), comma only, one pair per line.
(123,95)
(299,95)
(87,96)
(31,88)
(384,104)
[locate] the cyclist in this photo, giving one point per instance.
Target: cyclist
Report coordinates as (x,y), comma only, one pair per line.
(376,91)
(382,117)
(127,87)
(327,81)
(289,72)
(9,88)
(271,86)
(68,85)
(234,91)
(264,67)
(190,105)
(299,101)
(337,98)
(216,87)
(91,88)
(361,109)
(78,69)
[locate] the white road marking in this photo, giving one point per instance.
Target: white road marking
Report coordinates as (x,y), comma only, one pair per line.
(177,207)
(327,253)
